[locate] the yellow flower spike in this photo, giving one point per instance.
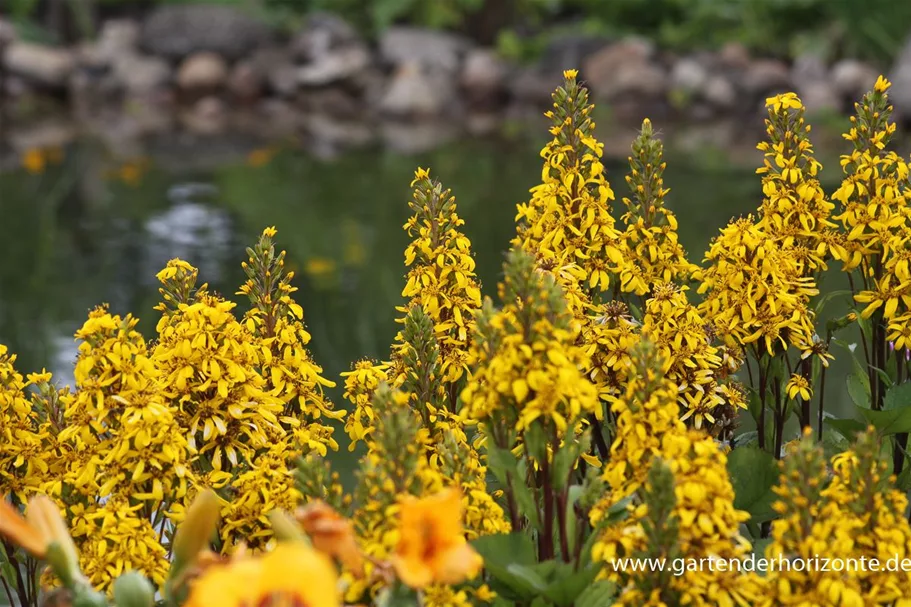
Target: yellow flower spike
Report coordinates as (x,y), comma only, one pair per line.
(432,546)
(195,532)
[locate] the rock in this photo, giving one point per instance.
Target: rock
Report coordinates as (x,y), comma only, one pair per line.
(414,91)
(900,93)
(7,32)
(141,75)
(282,79)
(765,76)
(246,82)
(202,71)
(483,78)
(279,72)
(819,96)
(852,78)
(331,101)
(44,65)
(417,137)
(176,31)
(689,75)
(624,69)
(569,52)
(208,115)
(720,92)
(810,74)
(321,34)
(334,66)
(433,49)
(533,85)
(734,55)
(117,38)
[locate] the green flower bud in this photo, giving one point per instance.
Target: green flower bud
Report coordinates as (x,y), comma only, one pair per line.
(133,590)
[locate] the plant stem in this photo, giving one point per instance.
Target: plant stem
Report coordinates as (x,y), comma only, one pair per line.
(546,539)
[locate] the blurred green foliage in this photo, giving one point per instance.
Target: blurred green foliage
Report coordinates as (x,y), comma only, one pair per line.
(870,29)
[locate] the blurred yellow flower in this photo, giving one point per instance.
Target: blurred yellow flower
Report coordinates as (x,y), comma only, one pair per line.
(331,534)
(292,574)
(432,546)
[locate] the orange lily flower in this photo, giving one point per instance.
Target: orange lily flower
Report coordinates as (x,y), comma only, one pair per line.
(432,546)
(331,534)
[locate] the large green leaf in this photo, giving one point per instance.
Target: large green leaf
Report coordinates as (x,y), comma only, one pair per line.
(859,389)
(753,473)
(895,417)
(848,427)
(898,396)
(599,594)
(506,548)
(566,589)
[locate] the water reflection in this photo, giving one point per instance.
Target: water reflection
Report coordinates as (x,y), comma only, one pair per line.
(82,230)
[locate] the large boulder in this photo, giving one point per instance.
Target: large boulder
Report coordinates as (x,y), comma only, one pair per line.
(203,71)
(174,32)
(42,65)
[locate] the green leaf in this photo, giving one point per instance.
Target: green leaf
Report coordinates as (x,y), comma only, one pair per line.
(745,439)
(825,299)
(569,585)
(536,442)
(903,482)
(897,396)
(529,576)
(599,594)
(848,428)
(889,421)
(502,462)
(859,389)
(506,548)
(754,405)
(753,473)
(525,500)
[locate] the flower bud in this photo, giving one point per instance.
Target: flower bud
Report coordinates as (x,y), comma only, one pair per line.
(284,527)
(133,590)
(196,530)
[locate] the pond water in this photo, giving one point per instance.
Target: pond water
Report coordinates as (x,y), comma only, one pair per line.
(81,225)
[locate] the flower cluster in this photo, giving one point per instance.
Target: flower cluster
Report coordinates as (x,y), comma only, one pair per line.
(653,253)
(857,514)
(697,500)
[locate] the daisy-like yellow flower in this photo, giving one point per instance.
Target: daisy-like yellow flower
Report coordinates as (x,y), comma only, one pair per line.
(292,574)
(432,546)
(799,386)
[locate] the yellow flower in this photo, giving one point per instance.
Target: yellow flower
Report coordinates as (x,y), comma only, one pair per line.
(292,574)
(799,386)
(432,546)
(331,534)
